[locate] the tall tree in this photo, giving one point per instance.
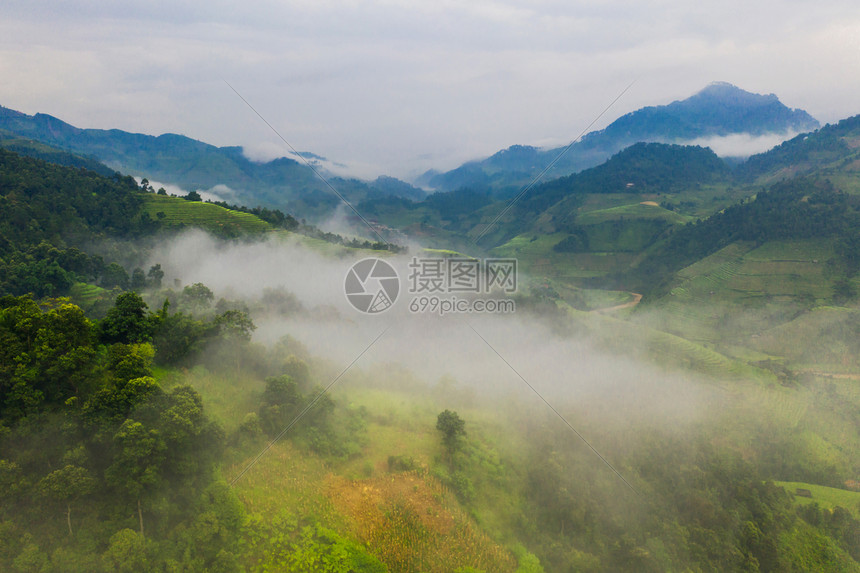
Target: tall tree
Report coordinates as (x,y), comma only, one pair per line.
(137,461)
(128,322)
(66,485)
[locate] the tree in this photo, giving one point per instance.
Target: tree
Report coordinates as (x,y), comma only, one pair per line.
(179,336)
(111,404)
(43,356)
(128,361)
(115,276)
(198,296)
(192,440)
(235,328)
(155,275)
(64,351)
(138,279)
(127,552)
(20,321)
(128,321)
(31,558)
(298,370)
(67,485)
(137,459)
(452,428)
(280,403)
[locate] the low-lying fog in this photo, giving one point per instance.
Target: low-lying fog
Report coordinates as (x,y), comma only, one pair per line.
(564,370)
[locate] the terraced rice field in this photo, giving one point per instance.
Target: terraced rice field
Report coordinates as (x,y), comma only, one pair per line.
(757,279)
(179,212)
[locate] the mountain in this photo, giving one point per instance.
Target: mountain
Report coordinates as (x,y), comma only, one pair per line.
(831,149)
(720,109)
(51,154)
(194,165)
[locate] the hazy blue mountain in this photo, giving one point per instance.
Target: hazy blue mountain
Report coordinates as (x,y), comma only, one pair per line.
(194,165)
(51,154)
(720,109)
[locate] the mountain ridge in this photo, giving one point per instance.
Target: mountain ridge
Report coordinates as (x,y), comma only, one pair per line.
(282,183)
(717,110)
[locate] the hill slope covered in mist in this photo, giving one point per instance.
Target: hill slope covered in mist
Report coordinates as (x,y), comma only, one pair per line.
(282,183)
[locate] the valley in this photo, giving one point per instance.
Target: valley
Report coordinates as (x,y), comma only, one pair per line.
(185,385)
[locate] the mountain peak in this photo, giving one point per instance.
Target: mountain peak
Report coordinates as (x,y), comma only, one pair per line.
(722,88)
(719,109)
(729,94)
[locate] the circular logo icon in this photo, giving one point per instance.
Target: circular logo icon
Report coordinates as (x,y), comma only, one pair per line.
(372,285)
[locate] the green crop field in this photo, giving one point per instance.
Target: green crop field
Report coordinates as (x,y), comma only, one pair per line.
(179,212)
(826,497)
(631,211)
(774,284)
(86,294)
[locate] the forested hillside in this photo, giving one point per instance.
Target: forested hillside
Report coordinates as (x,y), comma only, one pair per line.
(283,183)
(49,212)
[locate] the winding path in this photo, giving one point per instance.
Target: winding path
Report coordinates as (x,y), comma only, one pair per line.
(636,298)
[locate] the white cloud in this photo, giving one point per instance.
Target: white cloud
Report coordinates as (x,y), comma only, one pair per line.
(265,151)
(741,144)
(218,193)
(399,86)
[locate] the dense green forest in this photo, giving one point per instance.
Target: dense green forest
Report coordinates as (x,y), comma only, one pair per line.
(49,212)
(643,168)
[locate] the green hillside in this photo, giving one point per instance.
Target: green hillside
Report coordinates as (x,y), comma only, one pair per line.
(825,497)
(284,183)
(176,212)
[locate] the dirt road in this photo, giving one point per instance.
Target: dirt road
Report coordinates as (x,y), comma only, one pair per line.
(636,298)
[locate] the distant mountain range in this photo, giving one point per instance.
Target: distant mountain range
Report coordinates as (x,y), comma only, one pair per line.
(193,165)
(718,110)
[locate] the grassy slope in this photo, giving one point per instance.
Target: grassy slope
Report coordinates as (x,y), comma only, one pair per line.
(206,216)
(769,302)
(826,497)
(407,519)
(641,210)
(618,228)
(657,346)
(179,213)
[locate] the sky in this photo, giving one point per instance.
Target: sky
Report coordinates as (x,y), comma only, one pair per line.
(398,87)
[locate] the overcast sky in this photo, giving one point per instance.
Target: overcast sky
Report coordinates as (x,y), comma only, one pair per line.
(400,86)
